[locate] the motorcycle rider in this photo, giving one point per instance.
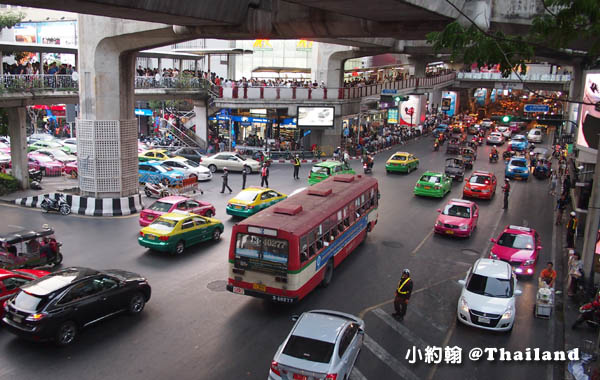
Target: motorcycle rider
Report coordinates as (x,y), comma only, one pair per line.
(436,143)
(591,311)
(494,152)
(49,248)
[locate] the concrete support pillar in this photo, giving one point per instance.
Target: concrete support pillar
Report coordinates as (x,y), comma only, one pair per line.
(201,122)
(18,145)
(418,66)
(180,65)
(41,63)
(328,63)
(160,65)
(575,92)
(436,100)
(1,64)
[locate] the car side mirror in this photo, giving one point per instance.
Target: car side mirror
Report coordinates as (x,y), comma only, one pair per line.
(295,317)
(439,210)
(361,331)
(518,292)
(462,282)
(492,240)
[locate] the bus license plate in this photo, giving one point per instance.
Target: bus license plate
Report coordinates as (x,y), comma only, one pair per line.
(238,290)
(260,287)
(484,320)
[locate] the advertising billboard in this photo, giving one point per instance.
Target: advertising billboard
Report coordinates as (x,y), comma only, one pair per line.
(452,96)
(392,116)
(309,117)
(409,110)
(589,121)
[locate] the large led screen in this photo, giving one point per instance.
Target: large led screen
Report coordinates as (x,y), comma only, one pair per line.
(309,117)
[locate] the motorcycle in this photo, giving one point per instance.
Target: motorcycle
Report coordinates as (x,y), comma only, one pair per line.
(35,175)
(157,190)
(59,205)
(493,157)
(367,168)
(436,146)
(589,314)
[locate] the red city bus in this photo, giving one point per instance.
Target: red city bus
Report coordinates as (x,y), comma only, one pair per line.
(285,251)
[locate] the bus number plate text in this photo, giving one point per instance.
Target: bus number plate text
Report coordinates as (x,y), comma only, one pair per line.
(282,299)
(238,290)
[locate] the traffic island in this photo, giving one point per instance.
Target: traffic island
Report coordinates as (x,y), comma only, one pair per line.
(89,205)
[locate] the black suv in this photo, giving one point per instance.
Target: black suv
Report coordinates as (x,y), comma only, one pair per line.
(57,306)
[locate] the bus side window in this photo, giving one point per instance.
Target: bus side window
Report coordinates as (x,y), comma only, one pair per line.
(319,238)
(341,226)
(303,249)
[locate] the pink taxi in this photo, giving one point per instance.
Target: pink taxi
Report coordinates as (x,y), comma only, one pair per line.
(518,246)
(458,218)
(172,203)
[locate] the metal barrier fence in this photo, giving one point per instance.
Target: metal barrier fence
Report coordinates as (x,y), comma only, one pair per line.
(308,93)
(59,82)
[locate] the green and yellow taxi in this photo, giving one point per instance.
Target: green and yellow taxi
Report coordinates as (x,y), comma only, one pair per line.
(433,184)
(253,199)
(401,162)
(154,154)
(326,169)
(174,231)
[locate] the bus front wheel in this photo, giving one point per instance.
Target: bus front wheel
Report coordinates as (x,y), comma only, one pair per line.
(328,276)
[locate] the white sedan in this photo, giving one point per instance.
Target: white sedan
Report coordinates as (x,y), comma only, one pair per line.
(323,344)
(506,132)
(487,299)
(189,168)
(495,138)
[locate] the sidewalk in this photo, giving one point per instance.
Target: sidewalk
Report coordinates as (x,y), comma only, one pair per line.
(61,183)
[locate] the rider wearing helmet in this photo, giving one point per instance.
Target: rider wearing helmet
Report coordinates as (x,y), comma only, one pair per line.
(402,294)
(571,229)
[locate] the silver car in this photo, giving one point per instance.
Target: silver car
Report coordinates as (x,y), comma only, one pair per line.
(323,344)
(57,155)
(232,161)
(495,138)
(535,136)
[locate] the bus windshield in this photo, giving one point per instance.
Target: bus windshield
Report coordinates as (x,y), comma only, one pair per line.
(261,253)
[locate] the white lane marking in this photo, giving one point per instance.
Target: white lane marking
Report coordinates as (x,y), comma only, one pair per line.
(15,226)
(488,246)
(357,375)
(388,359)
(400,328)
(413,310)
(414,252)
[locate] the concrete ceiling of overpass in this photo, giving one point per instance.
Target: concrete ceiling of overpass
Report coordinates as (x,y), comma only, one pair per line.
(403,19)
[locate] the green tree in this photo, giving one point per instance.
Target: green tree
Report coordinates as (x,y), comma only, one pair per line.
(10,19)
(559,32)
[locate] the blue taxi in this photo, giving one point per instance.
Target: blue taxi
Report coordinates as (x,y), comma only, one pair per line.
(517,168)
(154,172)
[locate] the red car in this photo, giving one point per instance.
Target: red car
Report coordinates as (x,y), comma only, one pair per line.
(11,281)
(49,166)
(458,218)
(520,247)
(172,203)
(480,184)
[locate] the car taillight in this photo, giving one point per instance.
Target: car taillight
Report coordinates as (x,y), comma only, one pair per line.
(5,305)
(249,207)
(141,234)
(163,238)
(275,368)
(331,376)
(36,317)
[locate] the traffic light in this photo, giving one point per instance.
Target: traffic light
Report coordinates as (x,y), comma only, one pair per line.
(400,98)
(506,118)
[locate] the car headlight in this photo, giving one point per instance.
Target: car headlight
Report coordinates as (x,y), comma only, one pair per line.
(493,256)
(463,305)
(529,262)
(463,227)
(439,223)
(508,313)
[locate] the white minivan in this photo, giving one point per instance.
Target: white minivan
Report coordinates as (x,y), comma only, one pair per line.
(487,299)
(535,135)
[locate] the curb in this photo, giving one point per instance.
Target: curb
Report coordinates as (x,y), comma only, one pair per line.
(88,205)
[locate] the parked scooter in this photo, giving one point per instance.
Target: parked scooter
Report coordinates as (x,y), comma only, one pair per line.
(59,205)
(588,313)
(157,190)
(35,175)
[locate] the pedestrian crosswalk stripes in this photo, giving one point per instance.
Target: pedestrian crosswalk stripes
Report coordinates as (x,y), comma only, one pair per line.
(400,328)
(388,359)
(357,375)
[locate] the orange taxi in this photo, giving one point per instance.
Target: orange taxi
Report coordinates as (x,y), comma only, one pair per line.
(480,184)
